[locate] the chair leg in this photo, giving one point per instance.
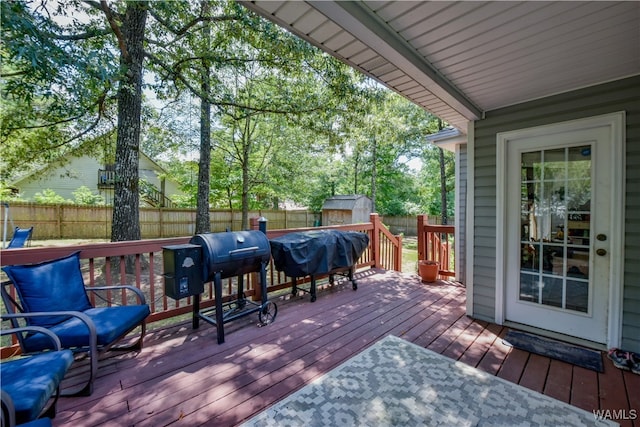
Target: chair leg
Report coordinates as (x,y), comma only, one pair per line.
(137,345)
(87,388)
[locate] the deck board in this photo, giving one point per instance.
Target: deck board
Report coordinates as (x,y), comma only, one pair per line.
(183,377)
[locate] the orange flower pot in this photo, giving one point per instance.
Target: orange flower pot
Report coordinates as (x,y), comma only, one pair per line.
(428,270)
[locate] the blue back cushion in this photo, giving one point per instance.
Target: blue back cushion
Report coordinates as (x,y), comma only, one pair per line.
(55,285)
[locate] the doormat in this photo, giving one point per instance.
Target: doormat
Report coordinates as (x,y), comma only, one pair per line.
(579,356)
(397,383)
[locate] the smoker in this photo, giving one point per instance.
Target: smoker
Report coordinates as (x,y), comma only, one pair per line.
(221,256)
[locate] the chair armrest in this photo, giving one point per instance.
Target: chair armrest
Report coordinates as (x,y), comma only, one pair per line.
(54,338)
(133,289)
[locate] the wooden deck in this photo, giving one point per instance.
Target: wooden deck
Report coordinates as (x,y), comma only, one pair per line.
(183,377)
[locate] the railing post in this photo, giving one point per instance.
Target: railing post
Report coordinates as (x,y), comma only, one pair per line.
(375,242)
(398,264)
(423,220)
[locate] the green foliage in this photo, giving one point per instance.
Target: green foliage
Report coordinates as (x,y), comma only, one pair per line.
(7,194)
(289,123)
(430,181)
(57,68)
(50,197)
(84,196)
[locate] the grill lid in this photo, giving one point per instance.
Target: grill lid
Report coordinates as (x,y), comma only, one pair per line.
(232,253)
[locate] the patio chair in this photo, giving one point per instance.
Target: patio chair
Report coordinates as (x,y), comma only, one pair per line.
(31,384)
(52,295)
(21,237)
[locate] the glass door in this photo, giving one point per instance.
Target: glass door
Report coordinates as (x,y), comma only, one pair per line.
(558,220)
(555,227)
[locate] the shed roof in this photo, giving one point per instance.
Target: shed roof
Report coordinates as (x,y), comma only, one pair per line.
(343,202)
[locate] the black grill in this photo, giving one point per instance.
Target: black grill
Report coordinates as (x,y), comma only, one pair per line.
(225,255)
(232,253)
(318,252)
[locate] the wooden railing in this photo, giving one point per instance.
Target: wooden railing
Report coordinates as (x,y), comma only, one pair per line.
(436,243)
(140,263)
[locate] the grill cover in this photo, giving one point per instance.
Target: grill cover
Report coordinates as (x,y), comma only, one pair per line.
(317,252)
(232,253)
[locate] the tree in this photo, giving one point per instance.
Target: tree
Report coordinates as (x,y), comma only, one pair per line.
(129,30)
(257,71)
(62,75)
(56,77)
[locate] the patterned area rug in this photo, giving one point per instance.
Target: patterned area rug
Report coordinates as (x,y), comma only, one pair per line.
(397,383)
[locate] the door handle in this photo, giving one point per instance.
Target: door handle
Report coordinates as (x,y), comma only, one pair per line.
(601,237)
(601,252)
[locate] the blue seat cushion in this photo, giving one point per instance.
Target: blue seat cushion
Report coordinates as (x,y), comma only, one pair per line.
(55,285)
(111,323)
(31,381)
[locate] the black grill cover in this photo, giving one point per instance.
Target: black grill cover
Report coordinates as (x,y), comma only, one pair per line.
(317,252)
(232,253)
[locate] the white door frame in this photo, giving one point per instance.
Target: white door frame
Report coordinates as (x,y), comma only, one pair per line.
(616,123)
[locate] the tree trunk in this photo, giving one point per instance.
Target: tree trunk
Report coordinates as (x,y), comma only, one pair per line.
(126,219)
(245,179)
(374,172)
(203,222)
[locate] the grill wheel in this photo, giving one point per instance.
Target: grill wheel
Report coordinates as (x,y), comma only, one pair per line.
(268,313)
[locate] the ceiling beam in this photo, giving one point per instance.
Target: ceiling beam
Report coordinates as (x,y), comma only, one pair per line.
(365,25)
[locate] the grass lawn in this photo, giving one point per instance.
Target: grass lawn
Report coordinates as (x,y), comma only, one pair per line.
(409,254)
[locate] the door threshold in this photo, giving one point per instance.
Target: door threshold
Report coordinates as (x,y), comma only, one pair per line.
(556,335)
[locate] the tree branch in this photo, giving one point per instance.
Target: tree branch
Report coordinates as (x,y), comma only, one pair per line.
(220,103)
(116,29)
(190,24)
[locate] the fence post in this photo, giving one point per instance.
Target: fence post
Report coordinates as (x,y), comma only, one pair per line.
(423,220)
(375,243)
(59,221)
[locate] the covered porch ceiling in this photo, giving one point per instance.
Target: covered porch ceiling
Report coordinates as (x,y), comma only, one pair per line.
(459,60)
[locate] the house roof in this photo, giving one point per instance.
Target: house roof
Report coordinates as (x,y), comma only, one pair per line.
(447,138)
(459,60)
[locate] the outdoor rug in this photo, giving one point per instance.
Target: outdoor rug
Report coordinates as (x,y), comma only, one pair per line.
(575,355)
(398,383)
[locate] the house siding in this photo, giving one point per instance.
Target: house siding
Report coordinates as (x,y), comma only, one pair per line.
(620,95)
(63,179)
(461,211)
(66,178)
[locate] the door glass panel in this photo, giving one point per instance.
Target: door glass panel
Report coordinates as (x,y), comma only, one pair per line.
(555,206)
(552,290)
(529,287)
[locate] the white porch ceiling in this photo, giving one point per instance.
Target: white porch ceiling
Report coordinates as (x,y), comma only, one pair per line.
(460,59)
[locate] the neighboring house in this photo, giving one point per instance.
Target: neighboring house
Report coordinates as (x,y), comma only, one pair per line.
(547,95)
(66,177)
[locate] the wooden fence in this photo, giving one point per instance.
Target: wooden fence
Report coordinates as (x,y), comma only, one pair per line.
(94,222)
(407,225)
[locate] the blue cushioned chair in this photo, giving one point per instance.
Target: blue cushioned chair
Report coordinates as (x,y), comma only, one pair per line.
(52,295)
(31,384)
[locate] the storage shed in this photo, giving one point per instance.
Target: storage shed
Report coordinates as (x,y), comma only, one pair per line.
(346,209)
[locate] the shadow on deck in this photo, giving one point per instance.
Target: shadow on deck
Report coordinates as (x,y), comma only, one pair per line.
(184,377)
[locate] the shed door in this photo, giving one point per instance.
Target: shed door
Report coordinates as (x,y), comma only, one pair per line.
(558,221)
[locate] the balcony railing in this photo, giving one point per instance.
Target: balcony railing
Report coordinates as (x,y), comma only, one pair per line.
(139,263)
(436,243)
